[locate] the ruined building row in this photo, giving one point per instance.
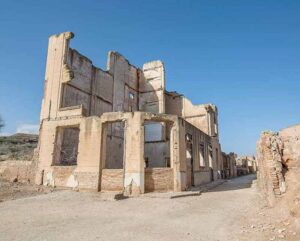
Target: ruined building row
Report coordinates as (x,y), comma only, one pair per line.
(119,129)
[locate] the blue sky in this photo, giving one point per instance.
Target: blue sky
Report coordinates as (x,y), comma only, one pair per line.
(243,56)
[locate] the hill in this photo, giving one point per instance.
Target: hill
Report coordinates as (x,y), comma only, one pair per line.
(19,146)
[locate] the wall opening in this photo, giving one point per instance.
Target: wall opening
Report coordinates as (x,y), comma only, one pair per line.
(66,146)
(189,159)
(210,158)
(114,146)
(201,155)
(158,163)
(157,144)
(112,174)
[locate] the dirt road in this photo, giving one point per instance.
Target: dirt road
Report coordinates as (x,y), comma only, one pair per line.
(219,214)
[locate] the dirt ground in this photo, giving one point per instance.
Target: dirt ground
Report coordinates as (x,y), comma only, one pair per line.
(231,211)
(16,190)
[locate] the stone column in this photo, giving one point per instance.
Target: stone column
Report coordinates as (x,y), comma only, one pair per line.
(134,155)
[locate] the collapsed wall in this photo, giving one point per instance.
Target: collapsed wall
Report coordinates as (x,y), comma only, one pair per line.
(278,156)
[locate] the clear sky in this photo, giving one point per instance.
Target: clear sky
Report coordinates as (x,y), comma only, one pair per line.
(243,56)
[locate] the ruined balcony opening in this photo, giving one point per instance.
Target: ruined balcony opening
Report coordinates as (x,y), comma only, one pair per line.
(66,146)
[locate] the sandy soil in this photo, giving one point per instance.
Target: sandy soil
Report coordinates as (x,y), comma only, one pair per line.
(16,190)
(231,211)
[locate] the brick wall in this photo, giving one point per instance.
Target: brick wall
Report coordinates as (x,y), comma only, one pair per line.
(159,179)
(112,180)
(278,156)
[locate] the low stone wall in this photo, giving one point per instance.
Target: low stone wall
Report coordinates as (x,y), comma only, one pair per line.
(159,179)
(112,180)
(16,170)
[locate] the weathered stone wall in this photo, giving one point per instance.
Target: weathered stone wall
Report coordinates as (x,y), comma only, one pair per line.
(152,87)
(291,142)
(270,176)
(278,156)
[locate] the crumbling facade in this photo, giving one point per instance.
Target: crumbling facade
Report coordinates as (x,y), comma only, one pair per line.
(278,156)
(119,129)
(246,165)
(228,165)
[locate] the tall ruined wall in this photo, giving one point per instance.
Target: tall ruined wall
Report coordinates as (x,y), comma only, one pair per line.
(74,86)
(152,88)
(278,157)
(89,86)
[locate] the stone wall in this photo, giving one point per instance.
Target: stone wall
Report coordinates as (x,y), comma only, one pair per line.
(270,176)
(278,157)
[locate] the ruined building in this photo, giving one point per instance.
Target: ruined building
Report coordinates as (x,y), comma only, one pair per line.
(246,165)
(119,129)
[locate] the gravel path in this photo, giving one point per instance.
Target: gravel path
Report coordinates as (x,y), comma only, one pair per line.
(218,214)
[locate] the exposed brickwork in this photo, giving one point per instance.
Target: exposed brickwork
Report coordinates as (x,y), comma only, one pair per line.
(159,179)
(278,156)
(112,180)
(269,157)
